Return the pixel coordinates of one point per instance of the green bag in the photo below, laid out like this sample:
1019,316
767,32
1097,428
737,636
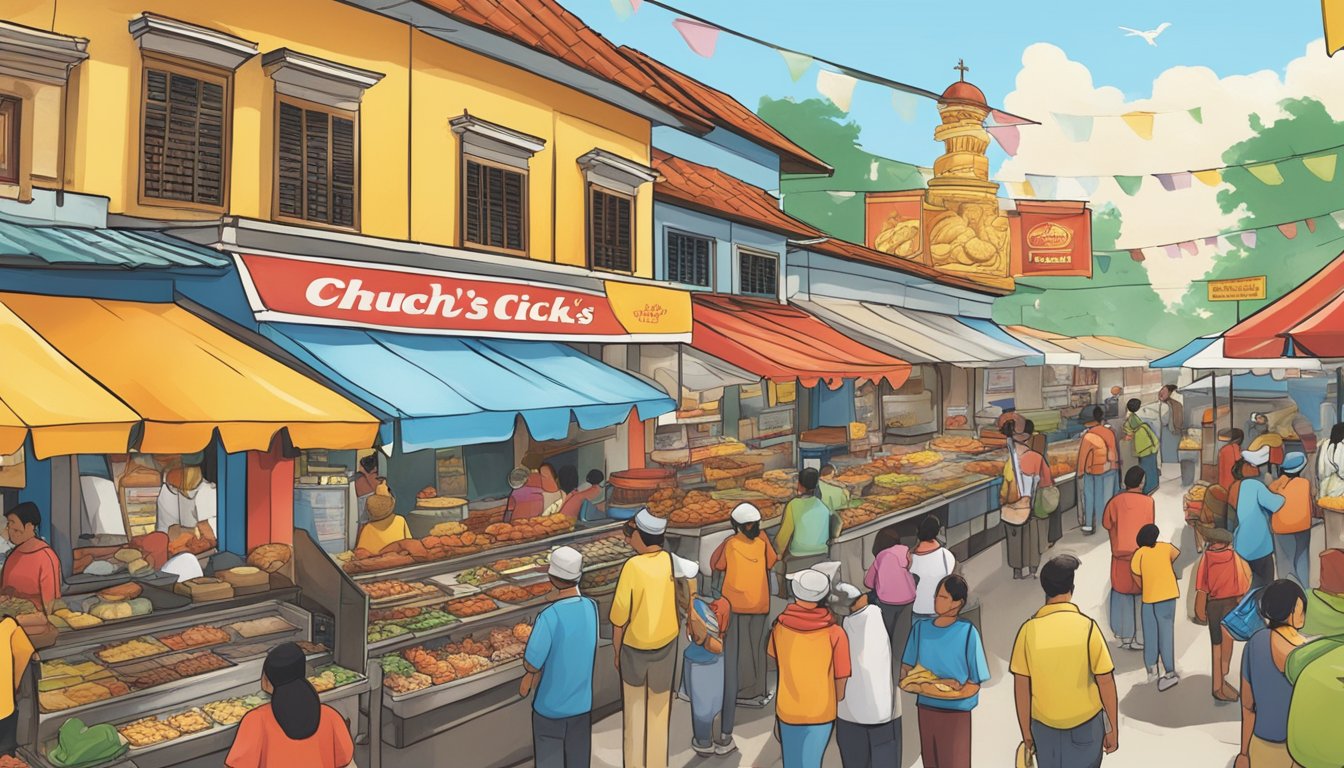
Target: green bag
79,745
1046,501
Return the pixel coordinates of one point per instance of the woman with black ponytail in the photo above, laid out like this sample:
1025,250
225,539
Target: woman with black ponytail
296,728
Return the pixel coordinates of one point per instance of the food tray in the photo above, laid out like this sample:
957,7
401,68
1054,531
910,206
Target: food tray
160,650
452,588
288,629
415,703
414,597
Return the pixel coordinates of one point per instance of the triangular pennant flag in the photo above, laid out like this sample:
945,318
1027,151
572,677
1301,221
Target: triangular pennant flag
1249,238
1212,177
1045,186
837,87
623,9
1174,181
1311,225
1196,114
1136,254
1003,118
1130,184
1189,247
798,63
1075,127
1267,173
1008,137
1289,230
1141,123
906,104
1212,242
1089,184
1173,251
1338,216
1323,166
634,5
699,36
1103,263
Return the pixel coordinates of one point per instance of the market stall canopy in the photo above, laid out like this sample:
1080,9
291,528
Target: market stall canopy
445,391
783,343
1214,357
680,367
1178,358
1096,351
918,336
1040,340
83,373
1313,309
1029,355
22,243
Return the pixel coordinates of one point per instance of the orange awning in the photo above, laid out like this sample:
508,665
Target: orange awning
783,343
94,368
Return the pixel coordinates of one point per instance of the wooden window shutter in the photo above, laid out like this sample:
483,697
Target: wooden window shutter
10,116
184,137
758,273
494,207
610,230
688,259
317,166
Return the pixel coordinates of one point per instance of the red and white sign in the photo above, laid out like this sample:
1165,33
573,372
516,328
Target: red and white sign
331,292
1052,239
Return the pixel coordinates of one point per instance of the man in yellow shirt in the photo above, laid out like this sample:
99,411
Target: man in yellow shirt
384,527
1063,678
644,632
1153,570
15,640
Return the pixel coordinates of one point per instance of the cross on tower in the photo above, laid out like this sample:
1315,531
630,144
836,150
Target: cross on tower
962,68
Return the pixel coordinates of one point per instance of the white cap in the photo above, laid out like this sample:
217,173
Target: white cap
1256,458
746,513
848,591
809,585
184,566
646,522
566,563
683,568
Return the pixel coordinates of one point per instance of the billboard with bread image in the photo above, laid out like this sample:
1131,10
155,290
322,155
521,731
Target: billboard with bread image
1052,239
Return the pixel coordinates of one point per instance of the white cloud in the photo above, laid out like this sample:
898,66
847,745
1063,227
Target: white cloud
1050,83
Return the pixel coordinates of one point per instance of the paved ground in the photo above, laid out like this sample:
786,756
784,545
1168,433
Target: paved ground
1183,726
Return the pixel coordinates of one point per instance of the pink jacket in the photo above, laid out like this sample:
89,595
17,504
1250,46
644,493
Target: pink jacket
889,576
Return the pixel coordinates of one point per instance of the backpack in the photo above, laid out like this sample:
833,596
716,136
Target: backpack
1245,620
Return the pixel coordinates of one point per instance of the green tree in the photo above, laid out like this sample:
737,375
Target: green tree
1286,263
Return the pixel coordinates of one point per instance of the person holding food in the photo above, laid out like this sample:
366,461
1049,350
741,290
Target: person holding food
944,662
186,504
561,651
295,728
31,568
384,528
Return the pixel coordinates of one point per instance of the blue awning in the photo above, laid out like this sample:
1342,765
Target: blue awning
445,390
1179,357
60,245
1029,355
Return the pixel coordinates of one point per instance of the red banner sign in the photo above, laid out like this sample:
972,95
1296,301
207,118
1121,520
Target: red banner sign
1052,240
328,292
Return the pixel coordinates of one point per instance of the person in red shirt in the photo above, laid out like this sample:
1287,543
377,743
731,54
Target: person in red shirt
31,569
295,728
1220,582
525,500
1229,455
1126,514
1098,465
575,497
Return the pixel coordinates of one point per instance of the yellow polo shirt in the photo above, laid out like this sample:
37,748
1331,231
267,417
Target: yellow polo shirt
646,601
1062,651
375,536
1154,565
20,648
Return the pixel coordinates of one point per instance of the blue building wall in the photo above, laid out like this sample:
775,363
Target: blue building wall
728,237
814,274
726,151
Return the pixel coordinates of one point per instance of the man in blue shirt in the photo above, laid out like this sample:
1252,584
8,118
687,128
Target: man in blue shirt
1255,504
561,650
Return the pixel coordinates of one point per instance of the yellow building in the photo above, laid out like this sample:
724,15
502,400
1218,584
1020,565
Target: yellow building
333,120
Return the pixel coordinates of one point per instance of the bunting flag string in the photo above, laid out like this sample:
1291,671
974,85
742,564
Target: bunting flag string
1141,123
1248,238
798,64
700,37
836,86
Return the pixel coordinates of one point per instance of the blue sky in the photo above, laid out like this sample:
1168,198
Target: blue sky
920,42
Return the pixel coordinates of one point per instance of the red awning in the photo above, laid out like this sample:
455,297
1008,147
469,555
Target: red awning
1265,333
1322,334
782,343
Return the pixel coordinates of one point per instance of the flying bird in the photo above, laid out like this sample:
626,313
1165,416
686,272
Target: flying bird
1150,36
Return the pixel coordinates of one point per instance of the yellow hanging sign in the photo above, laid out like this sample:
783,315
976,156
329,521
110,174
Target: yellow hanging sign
1237,289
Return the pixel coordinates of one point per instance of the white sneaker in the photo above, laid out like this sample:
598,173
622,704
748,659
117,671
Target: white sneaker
725,747
1153,677
1168,682
704,751
1135,645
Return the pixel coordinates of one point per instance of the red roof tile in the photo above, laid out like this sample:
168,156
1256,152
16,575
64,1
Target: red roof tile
547,27
702,188
720,109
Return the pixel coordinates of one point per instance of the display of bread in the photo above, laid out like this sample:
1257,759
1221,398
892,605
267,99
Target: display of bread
468,656
439,502
779,490
270,557
195,637
988,468
194,720
959,444
148,732
230,711
391,590
267,625
698,509
471,606
130,650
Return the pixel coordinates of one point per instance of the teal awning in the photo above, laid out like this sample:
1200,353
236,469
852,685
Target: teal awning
59,245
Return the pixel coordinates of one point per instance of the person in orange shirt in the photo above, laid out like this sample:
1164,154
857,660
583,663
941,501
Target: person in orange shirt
812,652
745,560
1126,514
1228,456
1292,523
1221,580
295,728
1098,463
31,569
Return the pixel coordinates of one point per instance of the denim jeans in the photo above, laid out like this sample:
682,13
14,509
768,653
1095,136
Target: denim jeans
804,746
1152,474
703,685
1097,491
565,743
1124,615
1077,747
1159,628
1292,556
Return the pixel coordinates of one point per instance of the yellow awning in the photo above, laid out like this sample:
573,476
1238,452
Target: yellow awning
44,393
175,373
